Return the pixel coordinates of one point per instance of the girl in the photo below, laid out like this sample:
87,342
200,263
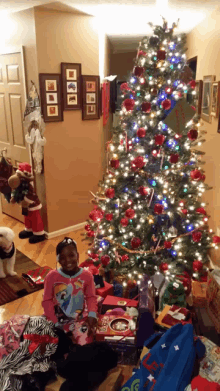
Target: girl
69,298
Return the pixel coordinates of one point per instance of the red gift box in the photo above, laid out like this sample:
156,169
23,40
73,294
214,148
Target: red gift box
173,316
111,302
111,325
107,290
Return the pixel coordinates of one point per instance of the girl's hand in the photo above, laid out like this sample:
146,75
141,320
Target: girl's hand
91,323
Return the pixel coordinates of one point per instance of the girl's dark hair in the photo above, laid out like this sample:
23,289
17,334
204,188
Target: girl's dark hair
66,242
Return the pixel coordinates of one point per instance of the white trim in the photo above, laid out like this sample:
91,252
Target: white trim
38,233
54,234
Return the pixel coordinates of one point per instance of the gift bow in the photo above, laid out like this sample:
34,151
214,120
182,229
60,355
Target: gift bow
37,340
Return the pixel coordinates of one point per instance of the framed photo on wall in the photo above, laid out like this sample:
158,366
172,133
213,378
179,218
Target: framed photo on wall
206,98
198,99
51,96
90,97
71,85
215,99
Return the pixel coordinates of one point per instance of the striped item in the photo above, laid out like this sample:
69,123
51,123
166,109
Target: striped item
7,294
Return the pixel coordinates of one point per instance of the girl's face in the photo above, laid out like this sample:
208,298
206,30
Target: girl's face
69,259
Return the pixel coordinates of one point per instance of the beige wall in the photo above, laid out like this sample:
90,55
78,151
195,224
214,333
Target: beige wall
204,42
121,64
74,149
19,30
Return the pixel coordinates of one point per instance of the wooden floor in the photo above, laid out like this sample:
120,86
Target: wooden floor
43,254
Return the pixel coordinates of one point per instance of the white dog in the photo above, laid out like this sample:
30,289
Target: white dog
7,251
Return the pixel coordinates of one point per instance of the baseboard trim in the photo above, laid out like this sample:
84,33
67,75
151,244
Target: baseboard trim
54,234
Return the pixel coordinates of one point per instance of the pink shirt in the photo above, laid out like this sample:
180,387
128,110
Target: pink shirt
68,296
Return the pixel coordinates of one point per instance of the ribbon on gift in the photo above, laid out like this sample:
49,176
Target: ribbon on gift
37,340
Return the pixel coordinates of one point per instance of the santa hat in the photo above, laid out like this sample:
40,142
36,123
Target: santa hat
24,170
201,384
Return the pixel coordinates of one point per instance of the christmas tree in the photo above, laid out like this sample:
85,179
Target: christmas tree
148,214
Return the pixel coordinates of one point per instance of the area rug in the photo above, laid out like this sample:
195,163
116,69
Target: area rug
14,287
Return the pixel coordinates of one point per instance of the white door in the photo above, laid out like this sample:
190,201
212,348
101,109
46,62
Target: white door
12,106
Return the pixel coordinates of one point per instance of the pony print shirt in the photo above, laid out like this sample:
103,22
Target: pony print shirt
65,298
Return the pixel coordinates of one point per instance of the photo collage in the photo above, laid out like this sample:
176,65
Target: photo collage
51,98
90,97
71,87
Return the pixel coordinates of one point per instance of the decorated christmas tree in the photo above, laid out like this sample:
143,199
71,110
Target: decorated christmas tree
148,214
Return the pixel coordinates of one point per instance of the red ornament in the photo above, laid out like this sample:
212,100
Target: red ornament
159,139
197,266
131,284
141,132
163,267
192,134
143,190
166,104
124,222
135,242
138,162
130,213
141,53
94,256
158,209
105,259
161,55
196,236
168,90
129,104
216,239
174,158
124,258
196,175
201,211
87,227
192,83
115,163
124,87
167,245
109,216
146,107
138,71
110,193
91,234
203,178
184,211
96,214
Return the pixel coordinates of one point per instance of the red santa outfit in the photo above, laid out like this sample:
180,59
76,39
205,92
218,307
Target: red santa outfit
33,221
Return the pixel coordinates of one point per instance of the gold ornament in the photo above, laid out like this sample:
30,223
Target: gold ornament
150,219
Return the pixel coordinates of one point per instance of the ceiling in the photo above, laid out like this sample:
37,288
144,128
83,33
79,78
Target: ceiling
126,23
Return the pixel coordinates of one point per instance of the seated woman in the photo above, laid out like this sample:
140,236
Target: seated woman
69,298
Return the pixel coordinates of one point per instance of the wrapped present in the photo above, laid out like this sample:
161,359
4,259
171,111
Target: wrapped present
199,293
111,302
174,294
147,295
176,315
112,325
36,277
126,349
213,298
107,290
210,365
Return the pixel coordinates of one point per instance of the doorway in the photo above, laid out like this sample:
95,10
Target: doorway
12,106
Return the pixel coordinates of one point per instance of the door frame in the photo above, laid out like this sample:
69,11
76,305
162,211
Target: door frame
13,50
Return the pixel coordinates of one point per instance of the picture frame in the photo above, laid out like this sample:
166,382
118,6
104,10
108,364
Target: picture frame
206,98
51,97
198,99
71,85
215,99
90,97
